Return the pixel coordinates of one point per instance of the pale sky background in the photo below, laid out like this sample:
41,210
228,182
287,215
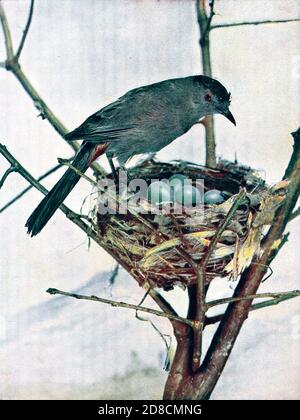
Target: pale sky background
80,55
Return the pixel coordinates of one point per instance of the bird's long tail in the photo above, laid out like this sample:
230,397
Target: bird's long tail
48,206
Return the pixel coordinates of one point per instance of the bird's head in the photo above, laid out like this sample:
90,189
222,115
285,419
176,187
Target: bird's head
213,97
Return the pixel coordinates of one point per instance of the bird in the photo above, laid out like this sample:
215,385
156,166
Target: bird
144,120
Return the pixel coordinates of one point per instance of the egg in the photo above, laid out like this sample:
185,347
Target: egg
183,192
176,183
159,192
213,197
177,179
188,195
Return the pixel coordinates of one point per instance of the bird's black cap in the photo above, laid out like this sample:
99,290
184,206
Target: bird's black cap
216,87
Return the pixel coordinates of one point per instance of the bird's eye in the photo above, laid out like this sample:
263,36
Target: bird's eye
208,97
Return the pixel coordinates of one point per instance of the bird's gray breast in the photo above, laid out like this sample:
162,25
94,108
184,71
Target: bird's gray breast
151,135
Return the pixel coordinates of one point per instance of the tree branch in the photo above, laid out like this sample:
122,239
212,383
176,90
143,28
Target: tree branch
204,22
23,192
255,22
271,302
25,32
11,169
12,64
115,303
279,296
7,35
236,204
207,27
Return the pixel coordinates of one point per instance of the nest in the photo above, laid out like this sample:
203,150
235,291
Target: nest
151,244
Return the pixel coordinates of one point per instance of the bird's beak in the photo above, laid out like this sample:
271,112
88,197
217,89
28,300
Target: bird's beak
229,116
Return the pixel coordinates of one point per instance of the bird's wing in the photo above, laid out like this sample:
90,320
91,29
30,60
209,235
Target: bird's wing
110,122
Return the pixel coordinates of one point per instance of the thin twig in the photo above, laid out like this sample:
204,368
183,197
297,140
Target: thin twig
208,21
145,296
115,303
276,296
267,303
7,35
255,22
77,171
162,336
199,318
23,192
8,171
272,302
25,32
237,202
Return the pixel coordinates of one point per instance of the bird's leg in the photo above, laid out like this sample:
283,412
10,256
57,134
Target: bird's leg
116,174
122,179
113,169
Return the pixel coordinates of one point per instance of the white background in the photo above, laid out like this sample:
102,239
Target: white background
80,55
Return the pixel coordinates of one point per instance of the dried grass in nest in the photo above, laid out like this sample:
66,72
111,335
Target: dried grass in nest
149,244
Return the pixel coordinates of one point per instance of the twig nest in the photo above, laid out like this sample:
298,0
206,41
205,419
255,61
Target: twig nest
150,235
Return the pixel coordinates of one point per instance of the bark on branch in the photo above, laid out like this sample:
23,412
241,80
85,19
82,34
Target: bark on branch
204,22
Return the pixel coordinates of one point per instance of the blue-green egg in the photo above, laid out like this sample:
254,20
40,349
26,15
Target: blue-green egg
188,195
158,193
183,192
177,179
177,183
213,197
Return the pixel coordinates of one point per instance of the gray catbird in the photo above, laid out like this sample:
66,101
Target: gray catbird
144,120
